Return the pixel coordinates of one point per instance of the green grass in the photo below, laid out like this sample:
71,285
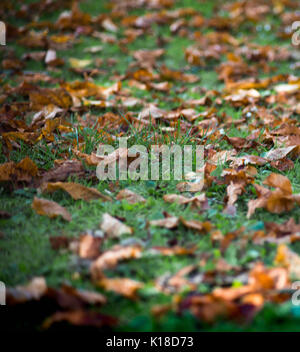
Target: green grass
25,249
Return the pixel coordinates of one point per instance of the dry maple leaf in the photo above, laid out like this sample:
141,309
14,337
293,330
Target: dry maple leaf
123,286
113,227
50,209
130,196
75,190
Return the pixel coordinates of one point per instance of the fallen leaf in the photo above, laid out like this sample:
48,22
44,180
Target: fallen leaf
279,153
123,286
176,250
279,181
34,290
81,318
89,246
113,227
168,222
63,170
202,227
196,201
289,259
75,190
130,196
110,259
50,209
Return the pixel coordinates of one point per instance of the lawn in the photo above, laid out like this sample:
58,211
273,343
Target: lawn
221,74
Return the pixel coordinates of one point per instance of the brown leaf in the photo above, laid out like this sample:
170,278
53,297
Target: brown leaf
176,250
279,202
152,112
283,164
25,170
280,153
289,259
130,196
247,159
113,227
202,227
5,215
241,143
34,290
190,186
84,296
90,159
81,318
288,228
123,286
63,170
260,202
196,201
168,222
75,190
260,279
233,191
279,181
89,246
50,209
110,259
59,242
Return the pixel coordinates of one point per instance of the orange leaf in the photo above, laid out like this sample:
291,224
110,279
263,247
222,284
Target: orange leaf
50,208
76,190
